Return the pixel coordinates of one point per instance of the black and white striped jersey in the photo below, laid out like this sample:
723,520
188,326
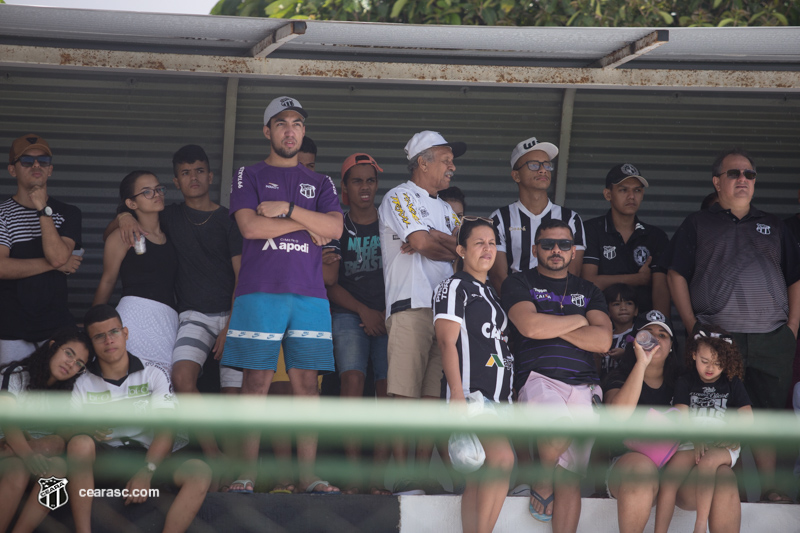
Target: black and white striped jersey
485,362
517,227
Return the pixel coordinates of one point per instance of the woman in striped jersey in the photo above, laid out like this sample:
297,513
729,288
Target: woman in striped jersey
478,365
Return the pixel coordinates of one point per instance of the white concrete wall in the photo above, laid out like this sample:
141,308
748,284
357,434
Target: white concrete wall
442,514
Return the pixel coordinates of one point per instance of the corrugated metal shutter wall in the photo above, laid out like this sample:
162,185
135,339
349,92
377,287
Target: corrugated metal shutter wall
101,126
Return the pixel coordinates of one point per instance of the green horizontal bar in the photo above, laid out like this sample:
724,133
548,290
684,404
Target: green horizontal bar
334,417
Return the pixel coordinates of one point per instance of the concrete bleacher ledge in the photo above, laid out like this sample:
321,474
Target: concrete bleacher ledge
279,513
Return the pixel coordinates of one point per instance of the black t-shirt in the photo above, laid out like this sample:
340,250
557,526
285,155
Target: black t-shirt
737,269
361,267
554,358
649,396
710,400
32,308
152,274
485,362
205,243
613,256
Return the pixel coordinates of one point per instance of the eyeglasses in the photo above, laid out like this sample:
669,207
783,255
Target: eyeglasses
101,337
470,218
73,357
534,165
27,161
548,244
734,173
150,193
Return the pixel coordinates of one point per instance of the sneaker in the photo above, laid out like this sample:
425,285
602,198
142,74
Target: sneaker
523,490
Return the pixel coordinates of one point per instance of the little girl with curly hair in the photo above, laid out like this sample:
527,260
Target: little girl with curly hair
701,471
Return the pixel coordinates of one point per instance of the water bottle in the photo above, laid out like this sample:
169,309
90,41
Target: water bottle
646,340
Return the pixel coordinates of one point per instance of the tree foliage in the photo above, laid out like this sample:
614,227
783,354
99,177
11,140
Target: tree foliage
608,13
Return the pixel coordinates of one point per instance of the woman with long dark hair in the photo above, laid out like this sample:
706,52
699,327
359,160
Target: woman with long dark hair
643,378
54,366
478,366
147,306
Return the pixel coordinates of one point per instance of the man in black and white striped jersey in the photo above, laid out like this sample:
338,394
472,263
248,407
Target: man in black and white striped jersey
38,235
531,168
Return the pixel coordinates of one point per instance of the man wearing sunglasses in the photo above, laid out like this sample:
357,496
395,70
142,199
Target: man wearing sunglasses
37,237
561,320
531,168
737,267
620,248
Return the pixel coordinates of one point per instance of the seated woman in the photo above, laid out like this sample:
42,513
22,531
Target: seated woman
470,324
54,366
700,476
147,306
643,378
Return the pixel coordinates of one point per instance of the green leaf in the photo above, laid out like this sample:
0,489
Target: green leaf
507,6
489,16
397,8
717,3
667,17
278,6
455,20
783,20
725,22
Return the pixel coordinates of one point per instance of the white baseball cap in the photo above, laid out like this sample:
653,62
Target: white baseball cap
428,139
529,145
281,104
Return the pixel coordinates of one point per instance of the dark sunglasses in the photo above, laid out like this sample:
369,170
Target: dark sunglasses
548,244
734,174
150,193
534,165
470,218
27,161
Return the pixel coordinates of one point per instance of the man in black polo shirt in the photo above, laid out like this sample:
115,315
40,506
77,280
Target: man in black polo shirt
737,267
562,321
620,248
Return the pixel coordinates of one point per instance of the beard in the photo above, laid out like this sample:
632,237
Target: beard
284,153
558,267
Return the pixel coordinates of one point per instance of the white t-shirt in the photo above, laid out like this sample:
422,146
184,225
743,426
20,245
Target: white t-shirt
18,383
411,278
146,387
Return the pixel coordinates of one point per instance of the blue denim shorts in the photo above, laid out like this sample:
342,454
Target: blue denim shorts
353,349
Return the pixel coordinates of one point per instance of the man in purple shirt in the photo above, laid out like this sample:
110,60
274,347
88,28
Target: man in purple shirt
284,212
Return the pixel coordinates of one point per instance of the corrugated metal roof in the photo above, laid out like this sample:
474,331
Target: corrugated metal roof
743,48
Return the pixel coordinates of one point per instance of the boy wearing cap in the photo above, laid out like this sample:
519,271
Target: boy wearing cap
38,235
620,248
356,291
284,212
531,167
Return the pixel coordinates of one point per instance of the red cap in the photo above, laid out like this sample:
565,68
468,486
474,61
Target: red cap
350,162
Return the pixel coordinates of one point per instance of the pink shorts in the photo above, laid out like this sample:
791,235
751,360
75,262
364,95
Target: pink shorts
564,401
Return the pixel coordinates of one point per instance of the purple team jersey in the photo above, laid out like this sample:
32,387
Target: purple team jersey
291,263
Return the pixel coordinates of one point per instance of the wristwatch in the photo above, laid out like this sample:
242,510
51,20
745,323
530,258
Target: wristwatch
46,212
150,467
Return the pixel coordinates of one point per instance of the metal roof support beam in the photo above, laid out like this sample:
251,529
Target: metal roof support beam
280,36
567,107
310,69
633,50
228,140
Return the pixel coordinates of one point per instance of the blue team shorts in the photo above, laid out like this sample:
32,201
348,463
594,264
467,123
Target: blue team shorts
260,322
353,348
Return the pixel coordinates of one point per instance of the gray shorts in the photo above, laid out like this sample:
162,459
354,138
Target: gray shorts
197,333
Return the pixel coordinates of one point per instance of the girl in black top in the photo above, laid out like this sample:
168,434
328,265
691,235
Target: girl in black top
54,366
642,379
147,306
470,324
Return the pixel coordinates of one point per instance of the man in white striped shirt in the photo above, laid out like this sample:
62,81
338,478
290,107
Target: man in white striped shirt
38,235
531,168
